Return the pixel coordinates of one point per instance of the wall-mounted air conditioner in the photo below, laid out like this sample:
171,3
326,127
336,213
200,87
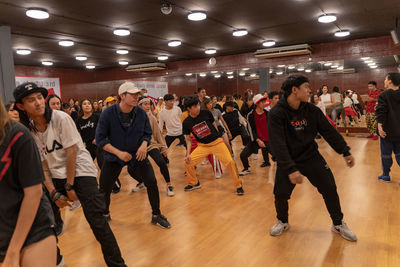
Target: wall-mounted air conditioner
284,51
147,67
344,71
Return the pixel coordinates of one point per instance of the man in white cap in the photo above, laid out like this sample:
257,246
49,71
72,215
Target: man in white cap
124,132
258,130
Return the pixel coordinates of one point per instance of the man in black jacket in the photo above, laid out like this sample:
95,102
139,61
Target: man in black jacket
232,119
388,118
258,129
293,124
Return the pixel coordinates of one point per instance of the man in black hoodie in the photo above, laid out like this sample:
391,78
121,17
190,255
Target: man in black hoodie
292,127
388,118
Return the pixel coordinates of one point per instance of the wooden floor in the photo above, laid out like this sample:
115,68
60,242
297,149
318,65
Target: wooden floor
215,227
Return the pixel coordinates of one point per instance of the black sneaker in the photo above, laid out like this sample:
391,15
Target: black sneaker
107,216
240,191
161,221
265,164
116,188
58,228
192,187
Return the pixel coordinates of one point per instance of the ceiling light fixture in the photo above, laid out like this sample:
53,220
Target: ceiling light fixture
327,18
122,31
123,62
90,67
217,75
188,74
23,52
230,77
66,43
162,57
328,64
81,58
214,71
122,51
229,72
210,51
291,67
334,66
269,43
245,69
368,61
203,74
279,73
372,64
308,70
340,68
281,66
342,33
197,15
174,43
240,32
373,67
37,13
365,58
47,63
300,68
242,74
253,75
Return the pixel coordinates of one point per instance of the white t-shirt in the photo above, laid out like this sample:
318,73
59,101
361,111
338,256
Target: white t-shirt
326,99
172,119
347,102
60,134
322,107
355,99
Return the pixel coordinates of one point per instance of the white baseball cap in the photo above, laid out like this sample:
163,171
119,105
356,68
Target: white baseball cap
128,87
257,98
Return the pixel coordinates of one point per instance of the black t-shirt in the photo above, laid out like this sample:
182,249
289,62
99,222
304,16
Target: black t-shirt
20,167
201,127
232,120
87,128
127,118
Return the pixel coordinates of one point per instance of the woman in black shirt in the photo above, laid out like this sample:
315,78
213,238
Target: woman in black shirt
26,235
86,124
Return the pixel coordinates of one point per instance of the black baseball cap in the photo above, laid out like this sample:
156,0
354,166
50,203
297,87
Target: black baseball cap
26,89
168,97
229,104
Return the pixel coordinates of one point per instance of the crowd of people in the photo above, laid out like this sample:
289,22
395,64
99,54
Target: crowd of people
49,149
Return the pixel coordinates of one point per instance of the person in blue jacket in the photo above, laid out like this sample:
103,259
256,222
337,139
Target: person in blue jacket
124,131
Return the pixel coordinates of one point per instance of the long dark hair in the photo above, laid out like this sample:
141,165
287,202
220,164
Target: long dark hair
80,112
25,120
50,97
206,100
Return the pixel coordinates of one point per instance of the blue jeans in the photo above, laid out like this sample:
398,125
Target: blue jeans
387,148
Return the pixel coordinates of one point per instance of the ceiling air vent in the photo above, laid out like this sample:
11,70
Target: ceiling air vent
147,67
284,51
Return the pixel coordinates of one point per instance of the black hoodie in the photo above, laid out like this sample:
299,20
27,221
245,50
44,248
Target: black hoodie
388,113
292,134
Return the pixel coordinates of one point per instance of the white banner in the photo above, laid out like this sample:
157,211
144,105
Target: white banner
52,84
155,89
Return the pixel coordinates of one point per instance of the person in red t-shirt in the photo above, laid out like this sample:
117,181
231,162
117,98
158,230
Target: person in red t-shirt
373,94
258,129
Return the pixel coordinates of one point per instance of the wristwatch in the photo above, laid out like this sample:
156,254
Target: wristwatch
68,186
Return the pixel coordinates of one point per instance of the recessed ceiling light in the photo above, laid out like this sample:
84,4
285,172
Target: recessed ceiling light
122,51
90,67
23,52
214,71
37,13
210,51
197,15
122,31
372,64
373,67
342,33
245,69
334,66
327,18
279,73
281,66
269,43
308,70
123,62
162,57
66,43
368,61
271,71
328,64
47,63
291,67
188,74
81,58
253,75
230,77
365,58
203,74
174,43
240,32
340,68
217,75
242,74
300,68
229,72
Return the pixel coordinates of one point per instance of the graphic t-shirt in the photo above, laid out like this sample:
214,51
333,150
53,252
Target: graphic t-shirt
87,128
20,167
201,127
60,134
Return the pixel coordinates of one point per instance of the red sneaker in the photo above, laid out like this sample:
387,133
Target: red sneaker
375,137
370,136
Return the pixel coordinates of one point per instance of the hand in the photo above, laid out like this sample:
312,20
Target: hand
94,141
62,202
12,259
141,153
72,195
382,133
187,158
260,143
296,177
350,161
124,156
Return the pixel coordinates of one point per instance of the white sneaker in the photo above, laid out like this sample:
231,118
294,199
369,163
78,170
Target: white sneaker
278,228
138,187
204,162
344,231
255,157
218,176
75,205
62,263
244,172
170,191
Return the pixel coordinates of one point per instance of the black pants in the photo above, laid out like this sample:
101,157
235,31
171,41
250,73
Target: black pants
92,150
170,139
252,148
159,159
92,201
243,133
100,160
319,174
141,169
